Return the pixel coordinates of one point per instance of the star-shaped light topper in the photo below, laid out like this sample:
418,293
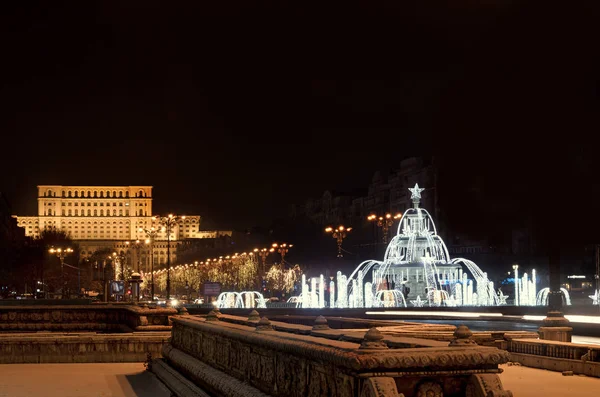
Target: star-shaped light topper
502,298
418,302
595,298
416,192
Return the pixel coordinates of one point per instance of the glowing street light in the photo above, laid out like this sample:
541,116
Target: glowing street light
516,269
151,234
339,233
136,245
282,249
263,253
60,254
384,222
169,222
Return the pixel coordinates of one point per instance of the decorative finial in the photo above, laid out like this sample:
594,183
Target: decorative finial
462,337
253,316
264,325
212,316
373,340
416,192
320,323
183,311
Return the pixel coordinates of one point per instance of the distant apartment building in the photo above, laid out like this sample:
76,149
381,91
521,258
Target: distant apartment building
99,217
383,195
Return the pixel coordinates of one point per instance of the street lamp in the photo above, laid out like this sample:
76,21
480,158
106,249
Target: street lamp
339,233
60,254
136,245
168,223
120,259
516,269
282,249
384,222
151,233
263,253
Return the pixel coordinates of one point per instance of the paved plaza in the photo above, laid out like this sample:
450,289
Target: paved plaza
532,382
79,380
130,380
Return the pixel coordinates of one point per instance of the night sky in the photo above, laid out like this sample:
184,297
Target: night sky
237,110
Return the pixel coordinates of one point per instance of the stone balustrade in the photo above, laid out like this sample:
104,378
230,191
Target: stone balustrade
539,347
251,358
105,318
556,356
80,347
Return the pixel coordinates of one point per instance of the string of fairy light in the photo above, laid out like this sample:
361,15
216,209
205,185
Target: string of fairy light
255,254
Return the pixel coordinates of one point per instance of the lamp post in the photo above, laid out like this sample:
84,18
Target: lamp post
384,222
119,273
339,233
60,254
151,233
135,276
168,223
282,249
262,253
516,269
136,245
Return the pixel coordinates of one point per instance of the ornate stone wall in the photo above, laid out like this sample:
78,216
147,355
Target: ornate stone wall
80,347
277,363
115,318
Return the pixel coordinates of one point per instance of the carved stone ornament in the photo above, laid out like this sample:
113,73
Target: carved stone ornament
486,385
212,316
320,323
430,389
462,337
253,316
380,387
183,311
373,340
264,325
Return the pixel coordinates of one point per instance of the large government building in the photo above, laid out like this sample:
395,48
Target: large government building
113,217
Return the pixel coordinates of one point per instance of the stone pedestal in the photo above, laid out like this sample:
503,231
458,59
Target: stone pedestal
559,334
556,327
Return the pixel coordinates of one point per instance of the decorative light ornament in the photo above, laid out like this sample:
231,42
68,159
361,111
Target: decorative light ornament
418,302
415,192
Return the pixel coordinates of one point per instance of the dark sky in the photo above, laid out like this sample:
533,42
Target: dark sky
236,110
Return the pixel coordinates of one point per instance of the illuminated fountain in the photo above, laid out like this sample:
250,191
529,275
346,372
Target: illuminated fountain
241,300
417,257
542,297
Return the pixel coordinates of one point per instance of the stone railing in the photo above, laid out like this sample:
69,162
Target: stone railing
80,347
546,348
228,359
556,356
105,318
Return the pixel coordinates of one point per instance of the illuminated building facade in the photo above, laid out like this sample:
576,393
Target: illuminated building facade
97,217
